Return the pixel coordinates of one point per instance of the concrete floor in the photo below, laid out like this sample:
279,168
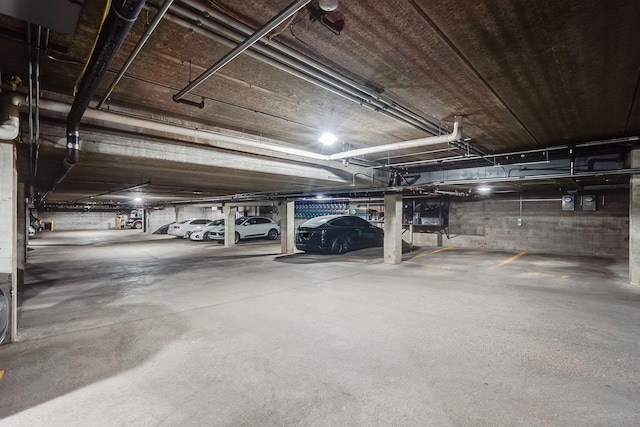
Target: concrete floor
121,329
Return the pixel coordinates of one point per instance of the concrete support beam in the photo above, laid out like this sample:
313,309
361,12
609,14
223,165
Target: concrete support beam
8,240
393,228
229,224
634,222
287,226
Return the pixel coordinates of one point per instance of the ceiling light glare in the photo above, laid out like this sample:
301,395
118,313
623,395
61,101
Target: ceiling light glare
484,189
138,199
328,138
328,5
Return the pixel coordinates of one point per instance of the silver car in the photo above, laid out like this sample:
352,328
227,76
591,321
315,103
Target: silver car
4,315
249,227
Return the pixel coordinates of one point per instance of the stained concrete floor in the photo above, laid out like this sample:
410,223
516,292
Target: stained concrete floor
121,329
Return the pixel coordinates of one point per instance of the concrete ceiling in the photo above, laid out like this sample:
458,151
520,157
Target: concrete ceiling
524,75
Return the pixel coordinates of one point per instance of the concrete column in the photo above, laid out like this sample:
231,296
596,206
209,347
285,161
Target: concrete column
393,228
287,226
177,213
229,224
634,222
146,214
23,221
8,240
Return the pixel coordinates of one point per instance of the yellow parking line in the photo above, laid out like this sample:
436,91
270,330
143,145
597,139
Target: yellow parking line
547,275
445,267
1,374
507,261
356,260
448,248
433,252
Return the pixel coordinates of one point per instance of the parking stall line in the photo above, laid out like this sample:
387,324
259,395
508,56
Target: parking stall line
444,267
507,261
433,252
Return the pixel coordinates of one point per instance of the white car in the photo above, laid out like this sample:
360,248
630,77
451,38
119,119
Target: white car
183,228
248,227
204,233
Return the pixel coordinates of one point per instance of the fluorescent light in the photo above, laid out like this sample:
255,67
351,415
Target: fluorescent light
484,189
328,138
138,199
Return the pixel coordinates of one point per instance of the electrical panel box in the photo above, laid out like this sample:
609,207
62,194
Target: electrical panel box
588,202
568,202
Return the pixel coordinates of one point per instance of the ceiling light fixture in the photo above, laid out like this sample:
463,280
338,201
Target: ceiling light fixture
328,5
484,189
138,199
328,138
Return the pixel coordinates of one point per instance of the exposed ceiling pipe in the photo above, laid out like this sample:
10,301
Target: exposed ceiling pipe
122,14
257,35
455,135
10,125
286,68
156,20
236,143
293,58
627,139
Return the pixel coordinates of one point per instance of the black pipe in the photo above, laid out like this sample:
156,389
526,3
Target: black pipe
122,14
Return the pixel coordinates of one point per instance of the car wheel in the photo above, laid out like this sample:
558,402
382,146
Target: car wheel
137,225
340,246
205,236
272,234
237,237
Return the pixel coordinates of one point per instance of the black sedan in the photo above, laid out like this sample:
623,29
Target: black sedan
337,234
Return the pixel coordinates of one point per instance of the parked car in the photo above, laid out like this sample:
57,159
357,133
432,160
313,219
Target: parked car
337,234
32,231
163,229
182,228
204,233
35,223
249,227
4,315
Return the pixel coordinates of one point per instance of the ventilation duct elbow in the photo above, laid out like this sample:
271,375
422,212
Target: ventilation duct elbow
10,124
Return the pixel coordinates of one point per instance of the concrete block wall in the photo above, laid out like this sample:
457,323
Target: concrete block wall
492,224
160,217
88,220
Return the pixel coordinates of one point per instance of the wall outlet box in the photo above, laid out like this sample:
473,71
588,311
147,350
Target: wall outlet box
519,222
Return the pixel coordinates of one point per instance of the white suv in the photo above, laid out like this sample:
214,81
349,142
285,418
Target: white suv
248,227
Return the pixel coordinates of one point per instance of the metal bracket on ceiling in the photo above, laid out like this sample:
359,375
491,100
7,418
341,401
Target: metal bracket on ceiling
469,150
191,103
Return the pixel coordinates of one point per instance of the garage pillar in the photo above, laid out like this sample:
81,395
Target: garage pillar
8,240
287,226
634,221
229,224
393,228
